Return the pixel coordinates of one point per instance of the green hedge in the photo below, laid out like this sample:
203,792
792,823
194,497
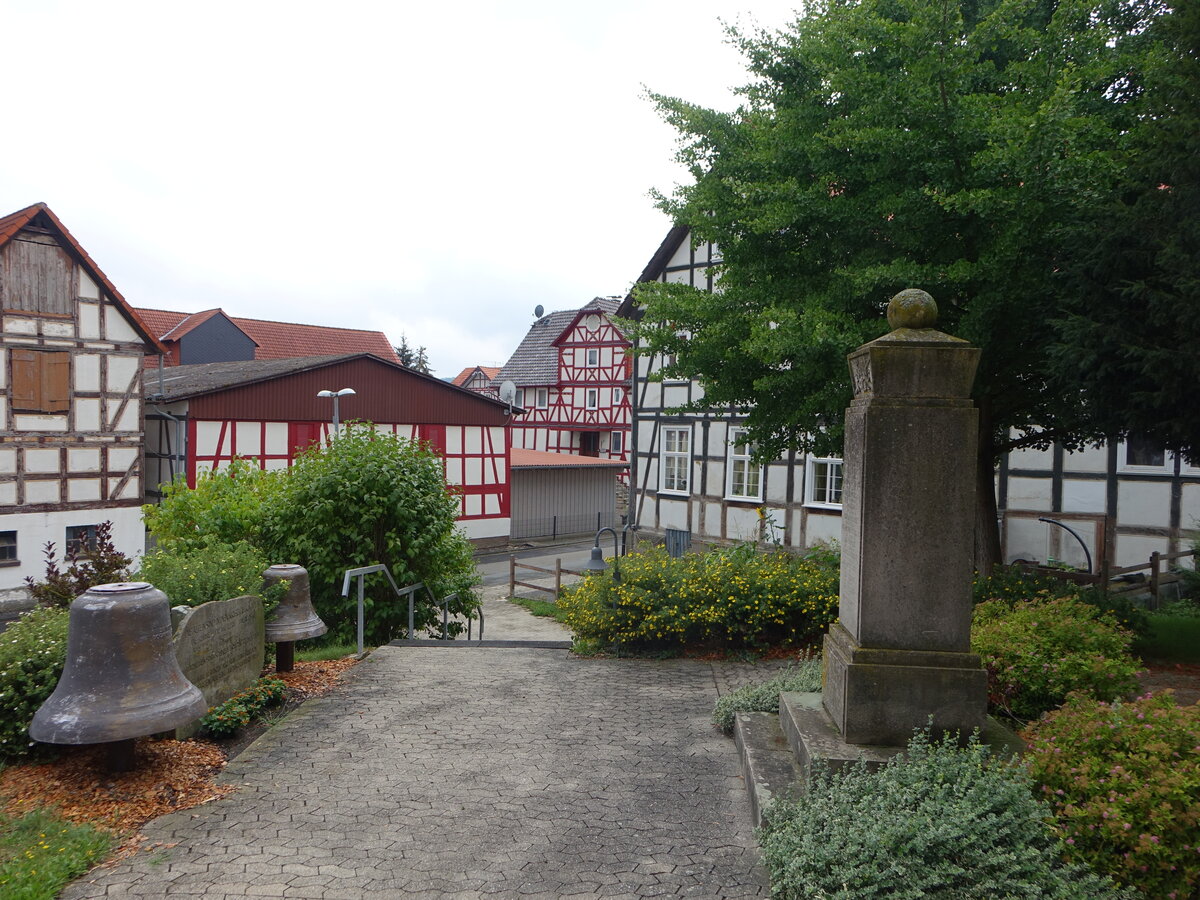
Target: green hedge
1124,782
737,597
938,821
1039,650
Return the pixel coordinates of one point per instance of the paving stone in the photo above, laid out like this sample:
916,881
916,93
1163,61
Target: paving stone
490,772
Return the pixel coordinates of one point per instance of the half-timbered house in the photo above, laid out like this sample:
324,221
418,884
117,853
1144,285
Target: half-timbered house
692,474
70,399
199,417
478,379
572,374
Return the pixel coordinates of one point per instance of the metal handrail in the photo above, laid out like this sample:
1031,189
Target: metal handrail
410,591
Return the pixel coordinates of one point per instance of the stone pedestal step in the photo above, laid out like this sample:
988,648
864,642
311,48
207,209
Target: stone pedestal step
768,766
777,751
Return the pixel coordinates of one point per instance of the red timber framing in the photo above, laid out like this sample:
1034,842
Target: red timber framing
587,410
270,420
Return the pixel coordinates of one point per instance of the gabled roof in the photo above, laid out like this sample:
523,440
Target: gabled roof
186,382
278,340
676,236
40,215
536,358
489,372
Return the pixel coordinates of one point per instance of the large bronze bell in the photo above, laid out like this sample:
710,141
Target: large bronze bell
294,619
121,679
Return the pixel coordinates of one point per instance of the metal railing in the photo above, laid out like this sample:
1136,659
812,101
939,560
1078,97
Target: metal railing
409,591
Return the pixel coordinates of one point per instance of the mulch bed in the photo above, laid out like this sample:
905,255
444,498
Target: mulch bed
168,775
1182,678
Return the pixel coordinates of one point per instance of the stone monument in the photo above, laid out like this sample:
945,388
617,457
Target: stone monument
901,651
220,648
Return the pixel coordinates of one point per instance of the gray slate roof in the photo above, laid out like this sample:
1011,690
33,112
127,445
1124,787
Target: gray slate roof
535,361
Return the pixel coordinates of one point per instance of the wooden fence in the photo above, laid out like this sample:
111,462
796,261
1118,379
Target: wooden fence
558,571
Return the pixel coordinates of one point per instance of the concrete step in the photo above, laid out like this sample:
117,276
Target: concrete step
768,766
464,644
811,734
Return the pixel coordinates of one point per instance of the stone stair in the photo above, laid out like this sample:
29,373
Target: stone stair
777,751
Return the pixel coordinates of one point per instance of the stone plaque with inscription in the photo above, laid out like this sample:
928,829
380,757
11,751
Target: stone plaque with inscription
220,649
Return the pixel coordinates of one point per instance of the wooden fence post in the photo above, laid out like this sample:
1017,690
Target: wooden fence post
557,577
1154,566
512,575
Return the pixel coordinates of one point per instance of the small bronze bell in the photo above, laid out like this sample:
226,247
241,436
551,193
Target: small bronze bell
294,619
121,680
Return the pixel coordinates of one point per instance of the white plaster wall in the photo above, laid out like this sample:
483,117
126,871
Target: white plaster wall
116,326
87,372
35,529
1083,496
89,321
1143,503
1031,459
673,513
88,289
1089,459
741,523
1135,549
1189,509
487,528
1029,493
822,528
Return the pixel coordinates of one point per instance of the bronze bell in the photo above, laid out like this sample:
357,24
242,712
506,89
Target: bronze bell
294,619
121,679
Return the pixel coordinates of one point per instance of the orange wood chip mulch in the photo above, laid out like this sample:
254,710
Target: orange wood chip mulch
167,775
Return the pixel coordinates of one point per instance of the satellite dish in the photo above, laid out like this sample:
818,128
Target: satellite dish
508,393
539,311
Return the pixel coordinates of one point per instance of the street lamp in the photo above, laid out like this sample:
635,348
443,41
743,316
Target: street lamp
596,564
344,392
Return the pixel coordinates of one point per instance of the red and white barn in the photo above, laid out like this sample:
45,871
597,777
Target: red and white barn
572,374
199,417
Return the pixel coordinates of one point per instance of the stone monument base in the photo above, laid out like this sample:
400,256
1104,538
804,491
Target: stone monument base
877,697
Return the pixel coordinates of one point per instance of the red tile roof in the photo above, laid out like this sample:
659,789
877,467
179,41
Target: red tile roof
489,372
278,340
538,459
14,222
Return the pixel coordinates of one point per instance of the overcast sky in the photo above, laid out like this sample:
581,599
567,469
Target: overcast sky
432,170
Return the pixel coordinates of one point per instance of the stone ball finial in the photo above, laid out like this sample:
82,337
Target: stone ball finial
912,308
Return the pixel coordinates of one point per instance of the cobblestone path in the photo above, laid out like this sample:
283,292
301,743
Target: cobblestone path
477,772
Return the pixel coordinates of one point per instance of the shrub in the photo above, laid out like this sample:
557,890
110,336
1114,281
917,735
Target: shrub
1014,583
738,597
235,713
938,821
1124,781
104,564
764,696
1039,650
370,498
214,571
33,651
227,505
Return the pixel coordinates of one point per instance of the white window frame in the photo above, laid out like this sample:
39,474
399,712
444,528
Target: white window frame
592,357
616,443
736,461
8,548
591,398
675,461
519,399
543,398
1167,467
618,395
810,483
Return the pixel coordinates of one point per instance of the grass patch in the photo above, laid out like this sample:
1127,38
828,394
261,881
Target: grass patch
39,853
537,607
1170,638
333,651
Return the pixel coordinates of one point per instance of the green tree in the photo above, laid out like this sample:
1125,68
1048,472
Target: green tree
1131,328
368,498
950,145
415,359
226,506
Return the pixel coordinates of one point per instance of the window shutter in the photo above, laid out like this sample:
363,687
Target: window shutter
56,382
26,378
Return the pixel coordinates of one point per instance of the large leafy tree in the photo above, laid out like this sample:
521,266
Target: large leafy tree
1131,327
950,145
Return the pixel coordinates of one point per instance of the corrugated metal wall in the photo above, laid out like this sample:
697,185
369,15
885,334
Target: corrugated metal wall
562,501
384,394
